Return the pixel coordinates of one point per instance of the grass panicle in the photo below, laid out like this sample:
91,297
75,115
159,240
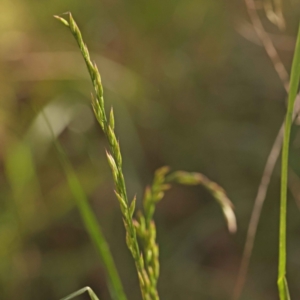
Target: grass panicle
114,158
146,229
141,231
191,178
145,225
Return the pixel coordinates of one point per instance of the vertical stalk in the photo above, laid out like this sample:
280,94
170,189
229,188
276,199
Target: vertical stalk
294,83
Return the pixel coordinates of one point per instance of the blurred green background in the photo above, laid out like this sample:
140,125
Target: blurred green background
193,89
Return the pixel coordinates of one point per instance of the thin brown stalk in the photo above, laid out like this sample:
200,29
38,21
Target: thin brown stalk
256,212
268,44
258,204
273,155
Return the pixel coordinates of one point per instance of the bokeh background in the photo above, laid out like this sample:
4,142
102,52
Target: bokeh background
193,89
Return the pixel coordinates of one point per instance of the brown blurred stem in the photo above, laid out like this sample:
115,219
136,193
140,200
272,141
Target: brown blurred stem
267,42
273,155
256,212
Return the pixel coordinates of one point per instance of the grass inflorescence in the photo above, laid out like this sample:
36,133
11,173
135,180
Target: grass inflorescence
140,230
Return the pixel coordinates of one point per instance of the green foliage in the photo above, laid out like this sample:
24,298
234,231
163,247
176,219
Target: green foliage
189,89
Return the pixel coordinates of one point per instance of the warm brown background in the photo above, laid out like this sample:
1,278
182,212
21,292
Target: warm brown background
192,88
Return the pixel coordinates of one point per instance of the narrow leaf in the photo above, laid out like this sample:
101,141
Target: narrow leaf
294,84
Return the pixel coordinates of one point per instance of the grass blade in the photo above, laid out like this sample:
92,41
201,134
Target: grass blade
91,224
294,83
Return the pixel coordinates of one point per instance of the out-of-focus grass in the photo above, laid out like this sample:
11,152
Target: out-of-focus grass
196,86
91,224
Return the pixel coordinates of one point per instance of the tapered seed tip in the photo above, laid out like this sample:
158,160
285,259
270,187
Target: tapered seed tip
231,220
71,20
62,20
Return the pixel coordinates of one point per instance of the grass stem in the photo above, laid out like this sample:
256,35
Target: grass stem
294,83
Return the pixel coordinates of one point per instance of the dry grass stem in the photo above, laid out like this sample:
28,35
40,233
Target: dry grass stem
273,155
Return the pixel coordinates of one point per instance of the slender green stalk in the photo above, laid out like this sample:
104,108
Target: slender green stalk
294,83
91,224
